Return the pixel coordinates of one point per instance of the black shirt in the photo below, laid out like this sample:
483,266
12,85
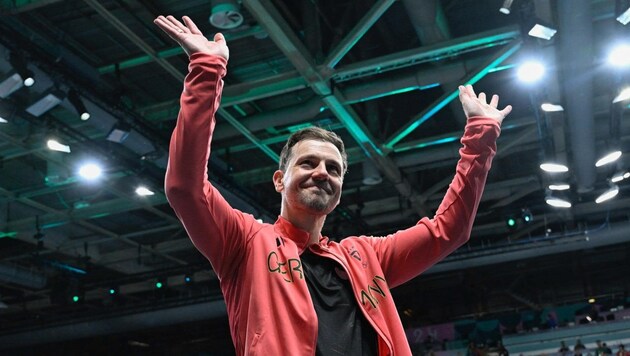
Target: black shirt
342,328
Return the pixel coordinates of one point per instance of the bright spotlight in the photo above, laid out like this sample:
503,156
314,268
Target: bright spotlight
607,195
548,107
541,31
623,95
54,145
554,167
620,56
90,171
144,191
624,18
609,158
560,186
557,202
531,71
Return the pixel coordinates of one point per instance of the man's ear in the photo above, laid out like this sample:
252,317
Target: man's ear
278,180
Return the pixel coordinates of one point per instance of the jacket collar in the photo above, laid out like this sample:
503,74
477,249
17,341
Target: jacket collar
287,230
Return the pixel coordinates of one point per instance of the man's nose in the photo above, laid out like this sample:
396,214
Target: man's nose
320,172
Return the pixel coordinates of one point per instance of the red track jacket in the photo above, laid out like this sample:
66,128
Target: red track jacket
269,306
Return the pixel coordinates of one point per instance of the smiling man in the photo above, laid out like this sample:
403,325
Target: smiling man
288,289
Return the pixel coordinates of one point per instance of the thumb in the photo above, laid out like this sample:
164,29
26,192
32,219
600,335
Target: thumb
218,37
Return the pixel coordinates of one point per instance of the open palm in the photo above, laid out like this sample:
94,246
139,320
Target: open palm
190,38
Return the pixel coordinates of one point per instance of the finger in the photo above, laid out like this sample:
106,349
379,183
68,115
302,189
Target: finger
178,26
495,101
505,112
462,92
218,37
166,26
471,90
482,97
191,26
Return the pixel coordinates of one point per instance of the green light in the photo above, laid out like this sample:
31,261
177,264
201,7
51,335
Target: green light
112,291
75,298
511,222
158,285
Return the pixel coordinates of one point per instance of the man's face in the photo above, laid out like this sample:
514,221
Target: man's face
313,178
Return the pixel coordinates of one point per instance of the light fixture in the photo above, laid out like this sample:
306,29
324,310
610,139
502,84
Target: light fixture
144,191
619,56
19,65
623,95
510,222
554,167
557,202
624,18
609,158
541,30
548,107
90,171
618,177
57,146
527,215
505,8
559,186
530,71
371,175
607,195
76,101
46,102
225,14
11,83
3,120
119,132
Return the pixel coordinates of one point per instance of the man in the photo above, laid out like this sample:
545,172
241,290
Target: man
288,289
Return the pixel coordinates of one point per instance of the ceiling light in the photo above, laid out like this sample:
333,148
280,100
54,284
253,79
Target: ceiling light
505,8
609,158
90,171
119,132
541,31
10,84
19,65
557,202
76,101
623,95
607,195
371,175
561,186
618,177
49,100
3,120
548,107
620,56
554,167
144,191
530,71
624,18
56,146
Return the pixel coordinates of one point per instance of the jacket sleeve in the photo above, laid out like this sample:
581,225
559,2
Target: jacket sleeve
407,253
215,229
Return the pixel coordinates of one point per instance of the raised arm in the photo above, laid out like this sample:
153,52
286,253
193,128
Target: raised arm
211,223
407,253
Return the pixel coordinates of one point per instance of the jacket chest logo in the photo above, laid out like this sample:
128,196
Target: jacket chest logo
290,269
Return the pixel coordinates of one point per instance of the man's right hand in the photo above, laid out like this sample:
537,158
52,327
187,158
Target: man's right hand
190,38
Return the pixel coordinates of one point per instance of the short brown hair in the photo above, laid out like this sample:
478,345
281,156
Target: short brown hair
312,133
